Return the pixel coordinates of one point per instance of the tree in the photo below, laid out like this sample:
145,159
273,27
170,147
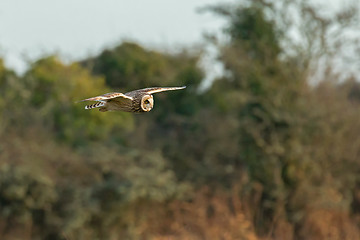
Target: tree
130,66
266,89
54,89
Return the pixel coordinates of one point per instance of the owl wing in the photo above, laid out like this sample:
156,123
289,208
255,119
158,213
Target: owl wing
110,96
160,89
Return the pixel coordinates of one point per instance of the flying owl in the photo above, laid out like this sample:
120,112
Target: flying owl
135,101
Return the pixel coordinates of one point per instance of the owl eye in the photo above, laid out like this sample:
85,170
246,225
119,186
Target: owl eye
146,102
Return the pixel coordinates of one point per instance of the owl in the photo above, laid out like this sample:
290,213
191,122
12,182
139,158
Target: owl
135,101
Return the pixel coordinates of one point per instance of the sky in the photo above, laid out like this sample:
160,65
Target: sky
75,29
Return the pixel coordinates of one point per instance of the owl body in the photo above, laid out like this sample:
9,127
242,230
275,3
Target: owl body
135,101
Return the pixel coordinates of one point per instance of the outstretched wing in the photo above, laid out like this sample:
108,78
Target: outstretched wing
109,96
160,89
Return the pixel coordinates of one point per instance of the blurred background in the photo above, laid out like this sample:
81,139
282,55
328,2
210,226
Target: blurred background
264,143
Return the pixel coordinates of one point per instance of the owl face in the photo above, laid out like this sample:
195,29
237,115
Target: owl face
147,103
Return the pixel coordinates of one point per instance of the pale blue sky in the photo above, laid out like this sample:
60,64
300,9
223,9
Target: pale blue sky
77,28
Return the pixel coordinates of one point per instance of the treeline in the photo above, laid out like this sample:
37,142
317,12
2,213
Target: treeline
262,154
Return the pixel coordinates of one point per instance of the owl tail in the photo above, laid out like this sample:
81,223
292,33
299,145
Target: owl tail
95,105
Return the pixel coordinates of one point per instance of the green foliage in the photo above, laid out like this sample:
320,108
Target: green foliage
23,193
129,66
11,94
54,89
250,30
261,97
148,177
278,119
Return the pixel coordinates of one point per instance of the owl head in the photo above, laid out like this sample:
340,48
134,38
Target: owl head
147,103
